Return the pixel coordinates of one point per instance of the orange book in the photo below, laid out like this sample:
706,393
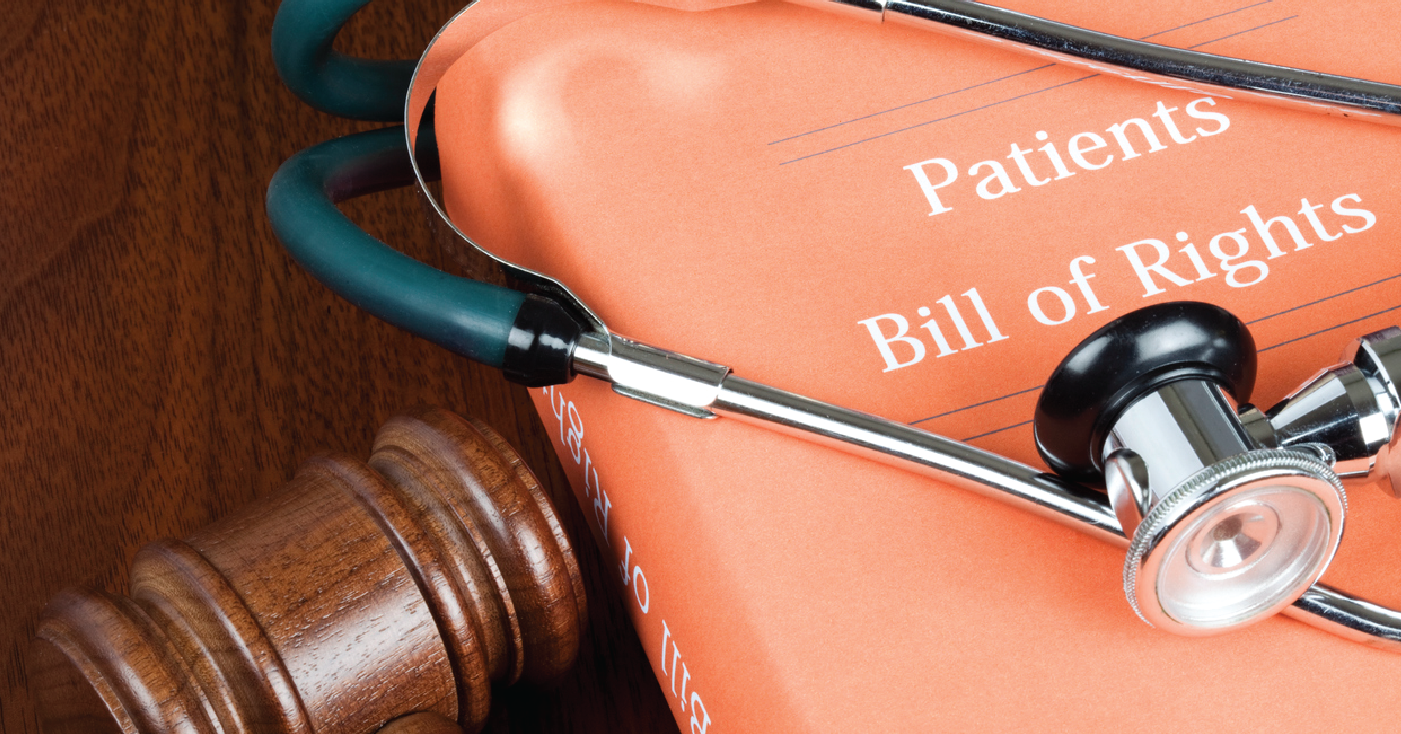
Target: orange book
921,227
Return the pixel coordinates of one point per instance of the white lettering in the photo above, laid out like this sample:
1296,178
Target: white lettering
1223,123
993,334
640,590
968,341
1078,151
1118,129
931,191
1262,228
998,176
1081,280
698,726
1145,272
1033,304
994,179
1228,261
1362,214
575,440
883,342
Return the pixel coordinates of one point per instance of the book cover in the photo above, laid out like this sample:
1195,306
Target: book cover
921,227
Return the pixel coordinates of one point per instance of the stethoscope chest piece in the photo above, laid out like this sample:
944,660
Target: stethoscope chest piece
1224,530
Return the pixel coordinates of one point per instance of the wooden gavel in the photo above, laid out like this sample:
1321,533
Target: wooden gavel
361,597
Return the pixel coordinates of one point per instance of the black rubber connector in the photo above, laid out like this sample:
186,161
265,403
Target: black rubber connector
1131,356
540,347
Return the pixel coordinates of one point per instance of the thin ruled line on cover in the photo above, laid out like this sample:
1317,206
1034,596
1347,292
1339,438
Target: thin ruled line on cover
941,119
1309,335
998,102
998,430
912,104
1299,307
970,406
1208,18
1241,33
907,105
1302,306
1330,328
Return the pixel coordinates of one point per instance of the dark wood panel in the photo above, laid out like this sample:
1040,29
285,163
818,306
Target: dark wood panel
162,362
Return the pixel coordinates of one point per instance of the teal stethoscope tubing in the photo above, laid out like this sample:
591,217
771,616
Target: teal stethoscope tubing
469,317
361,89
529,337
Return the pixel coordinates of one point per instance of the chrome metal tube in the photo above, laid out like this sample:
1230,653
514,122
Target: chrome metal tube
1347,616
922,452
1185,427
1140,60
703,389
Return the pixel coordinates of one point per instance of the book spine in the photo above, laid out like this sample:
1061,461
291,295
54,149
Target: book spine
626,537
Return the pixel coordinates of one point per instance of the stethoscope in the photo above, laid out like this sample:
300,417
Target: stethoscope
1230,513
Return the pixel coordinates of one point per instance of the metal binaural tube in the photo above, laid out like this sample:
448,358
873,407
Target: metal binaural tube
640,371
1349,617
1137,60
922,452
703,389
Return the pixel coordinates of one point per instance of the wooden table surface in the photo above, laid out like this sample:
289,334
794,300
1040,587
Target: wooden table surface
162,361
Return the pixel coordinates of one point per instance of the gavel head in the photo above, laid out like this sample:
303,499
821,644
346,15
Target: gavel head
358,593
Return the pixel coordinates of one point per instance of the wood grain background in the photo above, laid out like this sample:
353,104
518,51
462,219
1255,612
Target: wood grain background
163,362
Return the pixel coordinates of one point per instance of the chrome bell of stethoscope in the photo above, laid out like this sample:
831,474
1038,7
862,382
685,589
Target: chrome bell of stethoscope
1231,513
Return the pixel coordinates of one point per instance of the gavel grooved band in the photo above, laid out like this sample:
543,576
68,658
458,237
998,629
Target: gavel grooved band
359,593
